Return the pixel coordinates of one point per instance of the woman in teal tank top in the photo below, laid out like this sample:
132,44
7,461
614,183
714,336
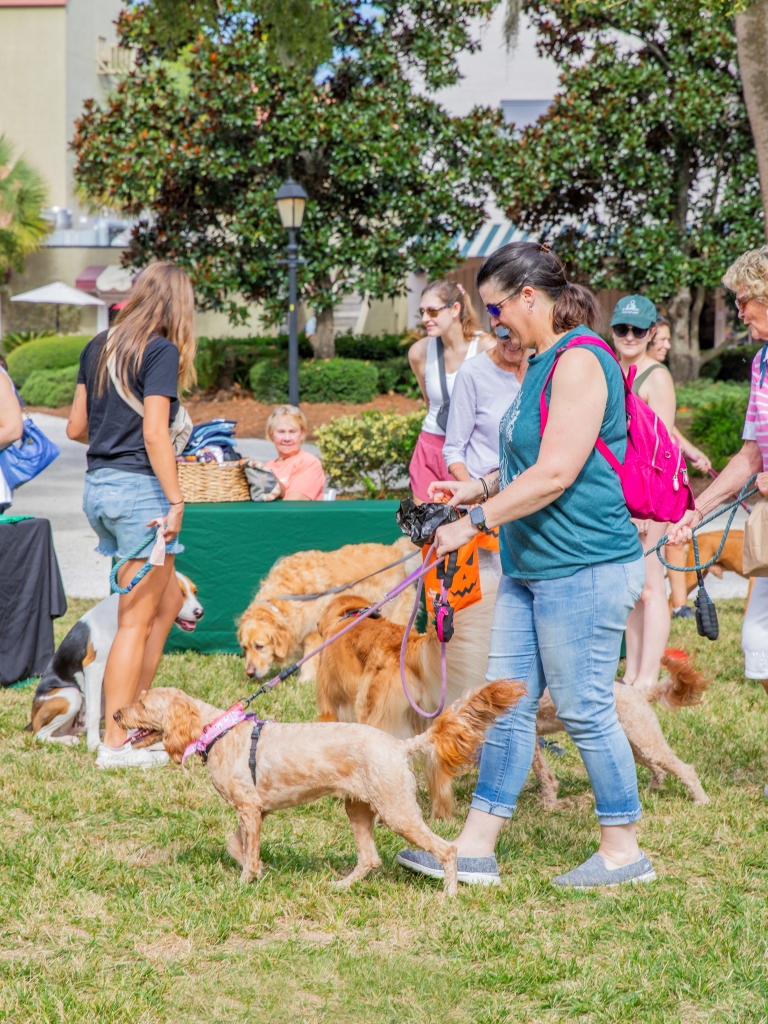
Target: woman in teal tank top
573,567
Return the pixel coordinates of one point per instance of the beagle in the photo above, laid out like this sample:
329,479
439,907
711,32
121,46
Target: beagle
75,674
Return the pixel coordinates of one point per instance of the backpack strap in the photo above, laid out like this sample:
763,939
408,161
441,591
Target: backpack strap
587,339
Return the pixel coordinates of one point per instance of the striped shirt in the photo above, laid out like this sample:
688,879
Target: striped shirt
756,422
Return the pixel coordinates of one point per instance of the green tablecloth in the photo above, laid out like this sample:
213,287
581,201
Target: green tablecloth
231,546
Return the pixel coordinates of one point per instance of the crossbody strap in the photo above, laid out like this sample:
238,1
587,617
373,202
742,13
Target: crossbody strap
586,339
127,396
441,371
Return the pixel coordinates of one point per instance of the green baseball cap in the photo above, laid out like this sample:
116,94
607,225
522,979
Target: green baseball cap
635,310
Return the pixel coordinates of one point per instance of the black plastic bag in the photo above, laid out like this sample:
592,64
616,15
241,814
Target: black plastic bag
419,522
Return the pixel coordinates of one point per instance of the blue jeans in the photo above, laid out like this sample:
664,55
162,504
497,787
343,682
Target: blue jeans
564,634
119,505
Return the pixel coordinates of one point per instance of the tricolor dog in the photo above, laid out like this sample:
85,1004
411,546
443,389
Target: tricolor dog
75,674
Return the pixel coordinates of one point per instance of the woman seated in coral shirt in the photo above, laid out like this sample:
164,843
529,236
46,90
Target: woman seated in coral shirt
300,474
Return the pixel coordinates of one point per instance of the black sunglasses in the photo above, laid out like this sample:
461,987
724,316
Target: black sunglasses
622,330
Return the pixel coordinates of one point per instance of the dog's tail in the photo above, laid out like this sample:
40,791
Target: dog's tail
458,733
682,686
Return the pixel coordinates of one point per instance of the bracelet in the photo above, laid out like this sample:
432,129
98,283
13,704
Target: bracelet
485,489
172,503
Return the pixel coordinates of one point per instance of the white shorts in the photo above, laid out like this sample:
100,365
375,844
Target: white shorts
754,632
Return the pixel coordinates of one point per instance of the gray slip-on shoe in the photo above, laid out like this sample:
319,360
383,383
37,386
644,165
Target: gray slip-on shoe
593,873
471,870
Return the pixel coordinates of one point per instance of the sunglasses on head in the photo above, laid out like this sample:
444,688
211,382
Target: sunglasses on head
432,310
622,330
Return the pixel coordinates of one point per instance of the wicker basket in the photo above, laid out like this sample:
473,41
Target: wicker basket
209,481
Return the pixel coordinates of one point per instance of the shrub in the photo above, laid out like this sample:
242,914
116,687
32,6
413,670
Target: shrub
369,346
44,354
52,388
372,450
338,380
731,364
397,375
14,339
718,428
269,381
332,380
702,392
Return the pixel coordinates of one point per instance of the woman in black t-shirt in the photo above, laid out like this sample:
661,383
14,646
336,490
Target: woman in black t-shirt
132,477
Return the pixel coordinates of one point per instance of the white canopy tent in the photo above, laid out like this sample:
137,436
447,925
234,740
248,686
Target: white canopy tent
58,294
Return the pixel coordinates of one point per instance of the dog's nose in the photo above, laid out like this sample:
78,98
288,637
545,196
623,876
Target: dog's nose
116,717
199,613
250,671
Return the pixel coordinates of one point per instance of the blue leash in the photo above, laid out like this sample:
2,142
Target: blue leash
115,588
706,613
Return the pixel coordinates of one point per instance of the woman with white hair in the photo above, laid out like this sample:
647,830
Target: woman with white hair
748,279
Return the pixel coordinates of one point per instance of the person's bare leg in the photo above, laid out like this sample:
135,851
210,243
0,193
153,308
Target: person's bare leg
656,616
170,606
633,637
675,555
479,835
135,617
618,845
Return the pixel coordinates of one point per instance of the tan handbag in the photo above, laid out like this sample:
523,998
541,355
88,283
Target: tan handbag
756,540
181,428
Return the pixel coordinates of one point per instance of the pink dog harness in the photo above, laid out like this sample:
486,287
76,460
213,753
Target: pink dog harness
219,727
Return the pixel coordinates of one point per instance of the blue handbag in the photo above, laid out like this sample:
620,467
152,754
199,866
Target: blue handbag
20,464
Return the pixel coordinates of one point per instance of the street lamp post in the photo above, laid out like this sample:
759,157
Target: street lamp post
291,200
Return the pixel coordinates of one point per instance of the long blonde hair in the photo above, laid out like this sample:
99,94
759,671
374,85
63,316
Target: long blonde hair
163,303
451,293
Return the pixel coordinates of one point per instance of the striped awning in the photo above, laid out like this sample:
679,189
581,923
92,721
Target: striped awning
492,235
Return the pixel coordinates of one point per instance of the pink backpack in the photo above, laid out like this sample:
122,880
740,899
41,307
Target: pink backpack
654,476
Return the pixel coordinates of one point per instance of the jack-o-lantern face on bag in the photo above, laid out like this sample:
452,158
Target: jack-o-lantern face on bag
465,589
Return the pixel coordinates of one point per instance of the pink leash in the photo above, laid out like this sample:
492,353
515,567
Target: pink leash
237,713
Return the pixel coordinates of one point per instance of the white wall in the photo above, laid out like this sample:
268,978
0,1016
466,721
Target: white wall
493,73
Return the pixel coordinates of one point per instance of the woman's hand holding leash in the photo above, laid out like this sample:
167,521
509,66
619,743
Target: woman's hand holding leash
172,521
682,532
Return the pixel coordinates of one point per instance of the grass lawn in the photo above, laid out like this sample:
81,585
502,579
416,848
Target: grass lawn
118,902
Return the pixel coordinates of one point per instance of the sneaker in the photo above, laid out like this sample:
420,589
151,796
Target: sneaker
683,613
127,757
594,873
471,870
552,747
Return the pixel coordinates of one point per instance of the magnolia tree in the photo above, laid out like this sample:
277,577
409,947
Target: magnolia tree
197,147
643,172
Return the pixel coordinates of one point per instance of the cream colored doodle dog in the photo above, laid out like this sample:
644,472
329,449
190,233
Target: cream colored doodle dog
300,763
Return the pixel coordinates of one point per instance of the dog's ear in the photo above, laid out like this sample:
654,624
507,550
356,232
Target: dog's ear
182,725
281,640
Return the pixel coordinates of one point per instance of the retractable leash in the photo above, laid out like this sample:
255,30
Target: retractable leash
706,613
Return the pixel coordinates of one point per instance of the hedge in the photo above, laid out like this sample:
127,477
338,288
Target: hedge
52,388
702,392
45,354
370,346
371,450
331,380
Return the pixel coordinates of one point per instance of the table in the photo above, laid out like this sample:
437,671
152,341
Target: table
31,597
231,546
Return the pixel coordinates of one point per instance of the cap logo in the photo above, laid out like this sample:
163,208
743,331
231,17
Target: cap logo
631,307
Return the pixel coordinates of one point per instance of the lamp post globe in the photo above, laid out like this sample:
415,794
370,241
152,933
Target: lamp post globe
290,200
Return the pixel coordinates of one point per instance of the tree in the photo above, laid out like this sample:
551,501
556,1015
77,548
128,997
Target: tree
643,170
752,36
22,196
199,149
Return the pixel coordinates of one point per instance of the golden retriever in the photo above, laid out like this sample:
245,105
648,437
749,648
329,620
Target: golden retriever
358,680
272,631
731,557
300,763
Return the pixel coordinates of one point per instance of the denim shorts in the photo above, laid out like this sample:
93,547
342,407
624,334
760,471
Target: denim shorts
119,506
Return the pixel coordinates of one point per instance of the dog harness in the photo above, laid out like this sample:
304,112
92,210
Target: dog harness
220,727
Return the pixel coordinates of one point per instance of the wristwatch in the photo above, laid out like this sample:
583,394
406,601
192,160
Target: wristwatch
477,518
